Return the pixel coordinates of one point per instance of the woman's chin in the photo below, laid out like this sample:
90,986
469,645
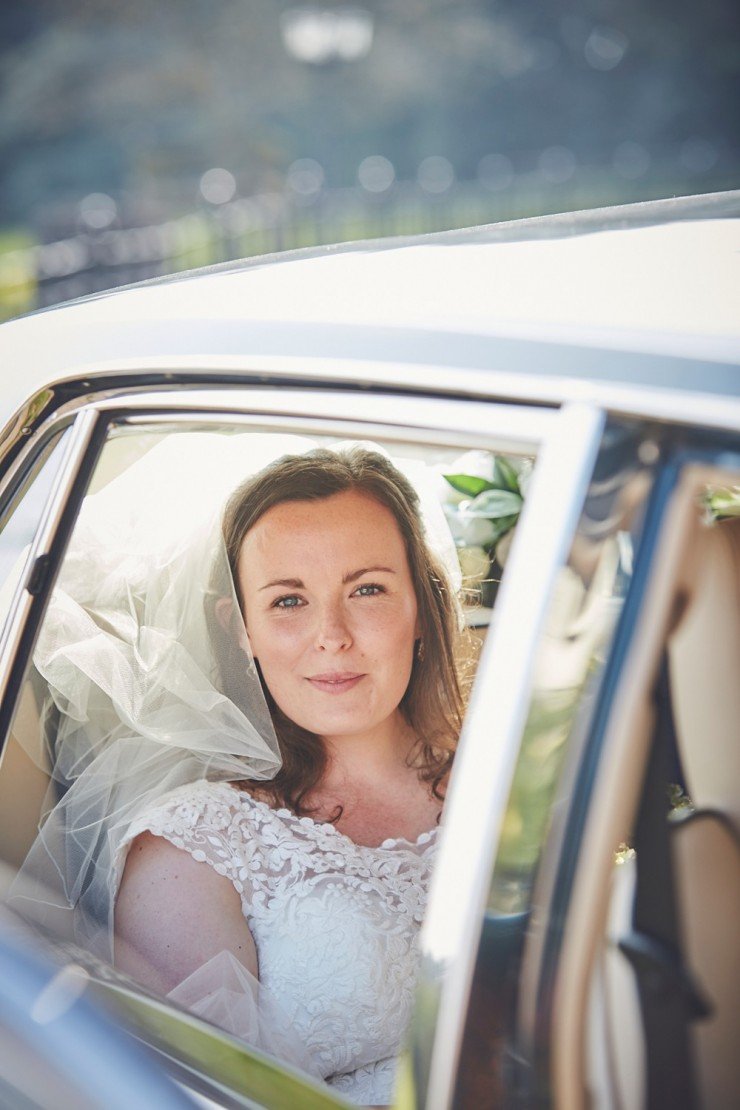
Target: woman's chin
335,725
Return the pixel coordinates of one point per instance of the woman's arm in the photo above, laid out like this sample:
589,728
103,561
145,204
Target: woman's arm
173,914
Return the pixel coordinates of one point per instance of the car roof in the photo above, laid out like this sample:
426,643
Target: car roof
645,294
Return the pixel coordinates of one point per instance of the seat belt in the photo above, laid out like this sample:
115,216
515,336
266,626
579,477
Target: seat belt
669,998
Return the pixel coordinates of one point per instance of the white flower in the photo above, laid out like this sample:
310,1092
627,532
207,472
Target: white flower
479,464
474,564
476,531
469,531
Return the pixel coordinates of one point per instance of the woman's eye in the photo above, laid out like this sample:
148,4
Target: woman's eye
289,602
367,589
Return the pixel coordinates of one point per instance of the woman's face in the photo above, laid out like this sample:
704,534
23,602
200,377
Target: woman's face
331,612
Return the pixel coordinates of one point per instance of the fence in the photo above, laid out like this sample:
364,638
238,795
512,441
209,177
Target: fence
88,260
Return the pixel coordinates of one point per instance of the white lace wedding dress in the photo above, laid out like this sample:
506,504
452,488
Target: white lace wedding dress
335,925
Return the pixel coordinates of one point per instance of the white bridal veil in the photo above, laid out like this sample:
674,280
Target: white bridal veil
142,688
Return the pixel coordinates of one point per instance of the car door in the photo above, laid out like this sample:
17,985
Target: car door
569,1004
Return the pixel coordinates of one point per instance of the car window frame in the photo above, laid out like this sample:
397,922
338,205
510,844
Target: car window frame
570,434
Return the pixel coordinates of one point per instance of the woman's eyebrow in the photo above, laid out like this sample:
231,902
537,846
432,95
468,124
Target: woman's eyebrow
355,574
291,583
352,576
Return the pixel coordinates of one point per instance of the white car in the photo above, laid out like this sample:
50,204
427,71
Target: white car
580,948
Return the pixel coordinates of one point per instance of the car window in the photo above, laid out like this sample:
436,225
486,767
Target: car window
472,498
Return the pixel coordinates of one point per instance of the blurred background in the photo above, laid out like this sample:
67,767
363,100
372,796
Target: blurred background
140,137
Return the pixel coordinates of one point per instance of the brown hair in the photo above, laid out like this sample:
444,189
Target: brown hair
433,701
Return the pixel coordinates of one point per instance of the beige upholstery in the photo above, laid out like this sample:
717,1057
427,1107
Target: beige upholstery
707,859
701,610
704,657
705,673
23,782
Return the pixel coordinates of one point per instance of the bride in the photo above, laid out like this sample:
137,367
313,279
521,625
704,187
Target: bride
279,897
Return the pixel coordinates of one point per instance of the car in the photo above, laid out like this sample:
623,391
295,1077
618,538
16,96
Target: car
581,945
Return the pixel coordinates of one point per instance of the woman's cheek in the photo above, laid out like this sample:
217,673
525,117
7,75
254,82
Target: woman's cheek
283,639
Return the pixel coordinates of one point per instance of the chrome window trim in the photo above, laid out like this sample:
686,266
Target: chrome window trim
453,422
66,479
483,772
34,445
23,465
492,384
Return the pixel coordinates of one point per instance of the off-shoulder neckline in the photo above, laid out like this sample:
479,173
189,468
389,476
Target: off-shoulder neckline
327,827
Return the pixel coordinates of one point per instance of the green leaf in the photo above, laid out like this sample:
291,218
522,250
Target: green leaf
468,484
495,503
724,502
503,525
504,475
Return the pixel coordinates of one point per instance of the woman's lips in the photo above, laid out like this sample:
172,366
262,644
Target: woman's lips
335,682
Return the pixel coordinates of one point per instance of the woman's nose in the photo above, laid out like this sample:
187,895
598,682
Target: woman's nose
333,633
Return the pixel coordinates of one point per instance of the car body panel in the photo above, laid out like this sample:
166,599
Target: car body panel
542,310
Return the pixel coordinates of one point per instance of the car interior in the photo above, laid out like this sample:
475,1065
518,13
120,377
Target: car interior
664,1017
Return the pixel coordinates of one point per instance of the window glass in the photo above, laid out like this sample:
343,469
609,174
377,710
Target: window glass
586,602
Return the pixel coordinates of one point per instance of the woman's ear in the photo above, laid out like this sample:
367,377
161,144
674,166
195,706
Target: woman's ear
224,609
231,620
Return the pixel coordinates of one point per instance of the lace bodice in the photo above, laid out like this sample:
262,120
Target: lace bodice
335,923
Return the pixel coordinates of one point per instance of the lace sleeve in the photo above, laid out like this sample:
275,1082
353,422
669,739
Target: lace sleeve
205,820
208,821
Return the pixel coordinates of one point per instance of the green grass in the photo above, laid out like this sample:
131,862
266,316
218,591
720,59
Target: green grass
17,276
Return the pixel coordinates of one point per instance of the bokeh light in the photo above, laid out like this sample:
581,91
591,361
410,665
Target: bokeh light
305,177
605,47
376,173
320,35
98,211
218,186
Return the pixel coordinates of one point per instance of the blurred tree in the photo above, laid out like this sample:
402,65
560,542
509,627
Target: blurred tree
139,99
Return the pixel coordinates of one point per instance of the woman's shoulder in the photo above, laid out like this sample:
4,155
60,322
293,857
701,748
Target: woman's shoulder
205,811
188,807
211,821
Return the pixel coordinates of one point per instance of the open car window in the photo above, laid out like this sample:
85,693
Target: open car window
474,488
